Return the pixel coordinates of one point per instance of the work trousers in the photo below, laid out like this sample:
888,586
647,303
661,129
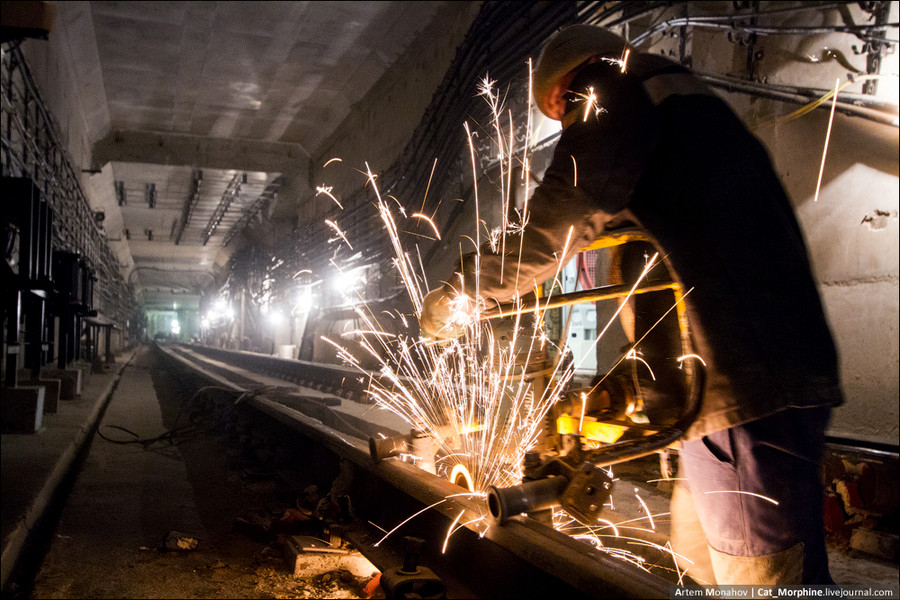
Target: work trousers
749,509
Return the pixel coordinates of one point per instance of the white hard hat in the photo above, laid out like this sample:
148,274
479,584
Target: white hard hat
565,50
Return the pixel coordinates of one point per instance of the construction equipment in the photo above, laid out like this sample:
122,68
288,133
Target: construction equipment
604,424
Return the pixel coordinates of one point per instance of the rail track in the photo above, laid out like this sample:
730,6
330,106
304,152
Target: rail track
325,407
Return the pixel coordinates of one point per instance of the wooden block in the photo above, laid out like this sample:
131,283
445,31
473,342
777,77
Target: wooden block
875,542
309,557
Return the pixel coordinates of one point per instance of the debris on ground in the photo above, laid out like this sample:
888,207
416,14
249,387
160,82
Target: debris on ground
180,542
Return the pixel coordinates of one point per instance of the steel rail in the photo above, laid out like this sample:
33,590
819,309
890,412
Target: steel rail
529,544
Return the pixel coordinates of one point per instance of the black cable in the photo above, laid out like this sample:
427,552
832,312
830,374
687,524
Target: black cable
175,430
732,22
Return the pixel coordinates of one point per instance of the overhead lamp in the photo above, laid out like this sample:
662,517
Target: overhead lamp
347,281
304,302
275,318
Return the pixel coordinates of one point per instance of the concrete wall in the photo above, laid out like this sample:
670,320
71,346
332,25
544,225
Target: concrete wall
852,233
63,79
380,125
851,227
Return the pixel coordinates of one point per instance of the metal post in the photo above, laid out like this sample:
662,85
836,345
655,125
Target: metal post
34,327
12,336
65,326
54,335
243,317
88,341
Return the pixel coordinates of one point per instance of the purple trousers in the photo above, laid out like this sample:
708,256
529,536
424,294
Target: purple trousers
757,492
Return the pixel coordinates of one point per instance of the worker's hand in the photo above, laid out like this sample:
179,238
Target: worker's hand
443,315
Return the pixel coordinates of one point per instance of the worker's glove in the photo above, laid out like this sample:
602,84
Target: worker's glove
444,316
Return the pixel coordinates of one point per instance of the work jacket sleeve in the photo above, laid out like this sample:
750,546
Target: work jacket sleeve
596,165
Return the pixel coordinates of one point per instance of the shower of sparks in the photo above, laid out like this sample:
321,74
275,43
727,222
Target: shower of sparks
611,525
450,531
760,496
574,172
837,83
590,104
633,355
595,536
472,394
683,358
583,406
651,263
459,470
335,159
375,525
625,58
428,220
408,519
321,189
337,229
428,187
678,570
426,509
453,530
646,510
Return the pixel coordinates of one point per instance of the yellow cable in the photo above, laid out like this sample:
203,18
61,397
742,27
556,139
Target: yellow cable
808,108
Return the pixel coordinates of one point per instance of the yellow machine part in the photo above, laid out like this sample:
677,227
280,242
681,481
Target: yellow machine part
591,429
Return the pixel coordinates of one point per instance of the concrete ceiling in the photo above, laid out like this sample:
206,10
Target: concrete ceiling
199,112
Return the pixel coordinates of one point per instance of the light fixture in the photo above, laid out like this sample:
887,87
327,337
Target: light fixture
303,302
347,281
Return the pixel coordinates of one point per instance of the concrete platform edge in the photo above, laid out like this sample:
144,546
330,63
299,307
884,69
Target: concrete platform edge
19,538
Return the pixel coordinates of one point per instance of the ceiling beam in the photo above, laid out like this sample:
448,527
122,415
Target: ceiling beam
266,196
197,151
233,189
189,204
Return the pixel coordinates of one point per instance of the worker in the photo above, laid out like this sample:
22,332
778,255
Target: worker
645,142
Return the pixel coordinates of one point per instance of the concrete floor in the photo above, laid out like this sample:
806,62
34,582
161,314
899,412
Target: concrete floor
127,498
